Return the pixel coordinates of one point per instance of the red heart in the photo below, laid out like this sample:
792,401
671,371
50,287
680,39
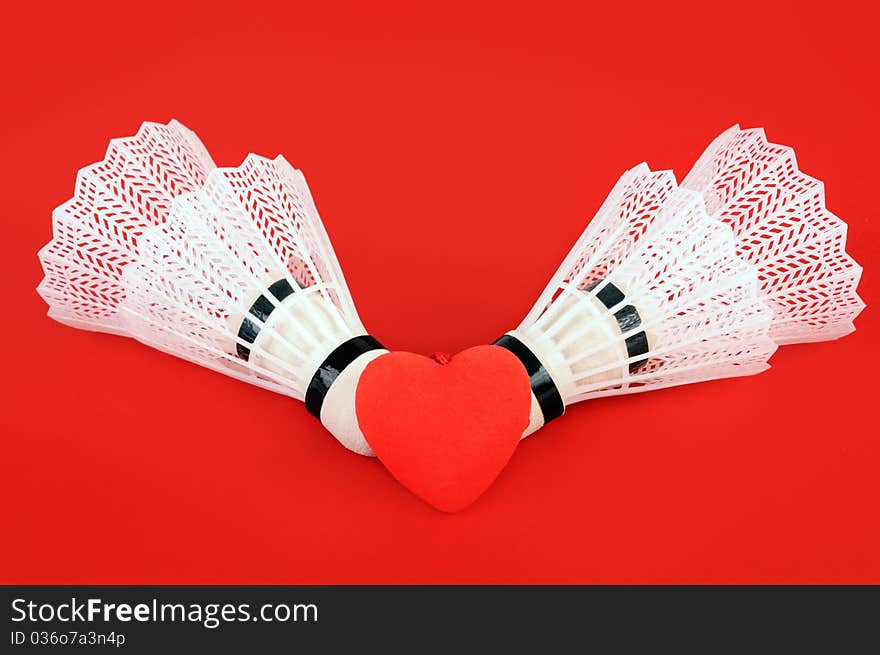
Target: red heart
444,428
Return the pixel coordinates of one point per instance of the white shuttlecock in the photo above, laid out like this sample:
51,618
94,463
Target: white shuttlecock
782,226
652,295
97,232
229,268
241,278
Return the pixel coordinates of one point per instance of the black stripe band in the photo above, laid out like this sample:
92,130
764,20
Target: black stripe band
336,361
261,309
542,384
627,319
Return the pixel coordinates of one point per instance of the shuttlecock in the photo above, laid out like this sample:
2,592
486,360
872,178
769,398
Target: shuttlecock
97,233
228,268
652,295
242,279
781,225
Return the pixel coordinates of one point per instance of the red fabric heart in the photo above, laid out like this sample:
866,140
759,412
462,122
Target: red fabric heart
445,427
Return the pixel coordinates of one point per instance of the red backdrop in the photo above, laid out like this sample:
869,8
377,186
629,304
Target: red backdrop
455,156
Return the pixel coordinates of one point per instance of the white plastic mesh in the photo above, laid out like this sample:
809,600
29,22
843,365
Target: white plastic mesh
698,301
782,226
97,232
222,247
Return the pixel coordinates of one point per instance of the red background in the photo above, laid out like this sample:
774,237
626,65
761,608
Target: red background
455,155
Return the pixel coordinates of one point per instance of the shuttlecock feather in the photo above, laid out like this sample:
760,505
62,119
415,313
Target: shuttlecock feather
781,225
97,233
